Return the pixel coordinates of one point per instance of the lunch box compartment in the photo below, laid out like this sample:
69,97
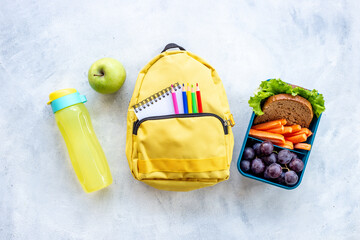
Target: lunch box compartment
302,154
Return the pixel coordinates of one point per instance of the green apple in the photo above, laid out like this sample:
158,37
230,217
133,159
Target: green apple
106,75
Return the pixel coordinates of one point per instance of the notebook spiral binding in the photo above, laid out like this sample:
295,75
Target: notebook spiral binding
155,97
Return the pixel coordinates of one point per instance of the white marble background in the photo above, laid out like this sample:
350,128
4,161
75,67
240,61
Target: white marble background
49,45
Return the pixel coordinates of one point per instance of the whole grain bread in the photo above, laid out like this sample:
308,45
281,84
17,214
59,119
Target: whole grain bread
295,109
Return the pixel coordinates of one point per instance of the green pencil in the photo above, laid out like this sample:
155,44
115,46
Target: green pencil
193,98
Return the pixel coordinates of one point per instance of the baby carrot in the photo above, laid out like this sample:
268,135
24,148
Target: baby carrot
304,146
287,144
307,132
279,130
295,128
287,130
297,138
269,125
302,130
266,135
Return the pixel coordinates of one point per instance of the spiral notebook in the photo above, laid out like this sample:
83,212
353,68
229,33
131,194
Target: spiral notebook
159,103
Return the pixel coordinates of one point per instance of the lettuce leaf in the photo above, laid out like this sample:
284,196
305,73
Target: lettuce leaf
277,86
255,102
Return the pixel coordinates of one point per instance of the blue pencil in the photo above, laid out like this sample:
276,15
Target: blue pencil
184,97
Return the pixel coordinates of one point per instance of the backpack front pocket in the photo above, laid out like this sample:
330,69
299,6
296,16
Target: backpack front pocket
182,143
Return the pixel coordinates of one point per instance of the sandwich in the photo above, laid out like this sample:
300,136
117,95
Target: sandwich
276,99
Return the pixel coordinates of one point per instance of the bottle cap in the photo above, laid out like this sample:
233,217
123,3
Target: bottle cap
65,98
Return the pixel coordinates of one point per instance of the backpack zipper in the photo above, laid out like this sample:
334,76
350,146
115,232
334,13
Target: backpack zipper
223,122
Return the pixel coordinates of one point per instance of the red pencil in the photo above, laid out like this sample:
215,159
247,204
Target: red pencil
198,96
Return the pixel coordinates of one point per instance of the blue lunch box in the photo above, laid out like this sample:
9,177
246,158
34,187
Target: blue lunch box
302,154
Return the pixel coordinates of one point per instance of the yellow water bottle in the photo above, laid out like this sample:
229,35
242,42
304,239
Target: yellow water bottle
86,154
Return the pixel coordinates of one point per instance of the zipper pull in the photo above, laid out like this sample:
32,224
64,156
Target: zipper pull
230,121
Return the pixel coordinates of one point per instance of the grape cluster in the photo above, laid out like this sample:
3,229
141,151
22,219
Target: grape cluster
282,167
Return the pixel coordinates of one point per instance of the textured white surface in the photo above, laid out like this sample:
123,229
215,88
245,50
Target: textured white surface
49,45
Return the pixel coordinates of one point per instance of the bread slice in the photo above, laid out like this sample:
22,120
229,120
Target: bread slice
295,109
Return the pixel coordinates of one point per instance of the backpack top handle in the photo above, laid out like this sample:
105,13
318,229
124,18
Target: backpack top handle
172,45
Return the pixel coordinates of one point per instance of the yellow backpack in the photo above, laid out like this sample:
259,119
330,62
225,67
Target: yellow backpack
186,151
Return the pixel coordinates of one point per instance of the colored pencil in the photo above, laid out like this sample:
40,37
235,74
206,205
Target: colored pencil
185,100
176,108
188,94
193,99
198,96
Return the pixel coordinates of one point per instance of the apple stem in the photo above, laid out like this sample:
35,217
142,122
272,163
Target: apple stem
99,75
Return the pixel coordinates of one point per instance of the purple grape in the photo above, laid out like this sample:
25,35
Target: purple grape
257,166
245,165
284,156
270,159
266,148
296,165
281,179
291,178
274,170
293,155
266,173
249,153
256,148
